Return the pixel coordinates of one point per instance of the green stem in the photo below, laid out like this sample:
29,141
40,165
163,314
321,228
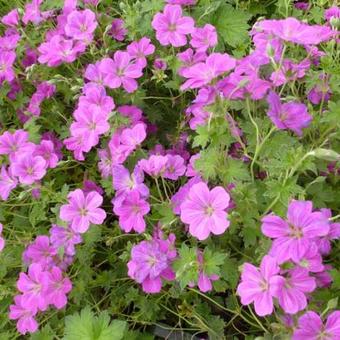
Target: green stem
257,136
159,190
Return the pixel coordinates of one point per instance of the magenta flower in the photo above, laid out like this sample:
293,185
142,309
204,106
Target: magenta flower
121,71
94,73
175,167
24,314
204,38
190,58
81,25
65,238
91,121
29,168
134,113
79,144
312,260
118,31
7,182
292,30
131,212
83,210
324,243
41,252
58,50
154,166
58,288
124,183
311,327
140,49
6,66
203,73
257,285
96,96
293,237
205,211
105,163
293,116
11,143
11,19
34,287
332,13
133,137
2,240
171,27
46,150
32,12
180,196
290,291
151,262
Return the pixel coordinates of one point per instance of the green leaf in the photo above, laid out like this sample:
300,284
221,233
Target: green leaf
212,261
232,24
87,326
186,266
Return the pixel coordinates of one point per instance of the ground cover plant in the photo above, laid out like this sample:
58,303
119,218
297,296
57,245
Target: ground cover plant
169,169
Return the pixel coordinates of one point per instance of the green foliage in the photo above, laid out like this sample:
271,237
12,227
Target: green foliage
85,325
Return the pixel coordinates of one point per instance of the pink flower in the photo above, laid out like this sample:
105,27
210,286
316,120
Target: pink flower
13,143
171,27
132,112
154,166
332,13
58,50
32,13
311,260
118,31
64,238
257,285
94,74
41,252
293,116
151,262
96,96
140,49
24,314
190,58
133,137
7,183
291,29
83,210
29,168
11,18
58,288
131,212
311,327
121,71
180,196
294,236
79,144
203,73
175,167
6,66
34,287
81,25
204,38
90,120
2,240
205,211
105,163
324,243
124,183
290,291
46,150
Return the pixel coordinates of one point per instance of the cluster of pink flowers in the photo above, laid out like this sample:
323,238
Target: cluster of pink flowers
46,283
28,162
293,268
74,31
151,262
